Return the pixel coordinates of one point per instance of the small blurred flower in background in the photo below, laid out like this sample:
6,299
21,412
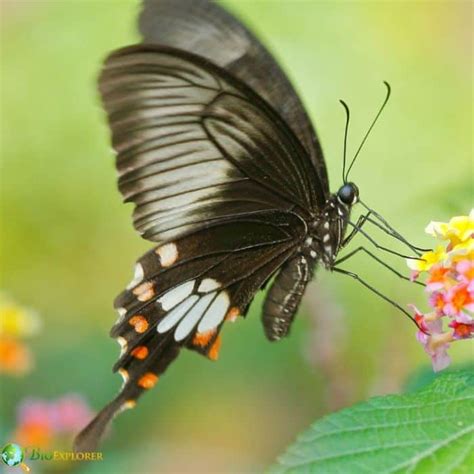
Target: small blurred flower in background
17,323
51,424
450,285
39,423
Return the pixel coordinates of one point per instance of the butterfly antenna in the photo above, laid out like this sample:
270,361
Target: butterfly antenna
389,91
348,116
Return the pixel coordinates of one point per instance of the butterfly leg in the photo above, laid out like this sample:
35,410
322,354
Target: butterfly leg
377,292
363,219
393,233
370,254
360,222
380,247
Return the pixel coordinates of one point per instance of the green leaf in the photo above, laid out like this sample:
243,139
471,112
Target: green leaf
424,376
427,431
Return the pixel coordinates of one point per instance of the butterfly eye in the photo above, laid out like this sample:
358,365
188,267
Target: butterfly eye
348,194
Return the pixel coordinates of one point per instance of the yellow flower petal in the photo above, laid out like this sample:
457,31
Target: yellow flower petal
428,259
437,229
458,230
462,251
17,321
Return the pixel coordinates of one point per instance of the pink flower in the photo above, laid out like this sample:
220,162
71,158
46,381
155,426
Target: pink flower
71,413
465,269
33,410
438,278
414,274
437,301
437,349
423,324
462,330
458,300
434,341
43,423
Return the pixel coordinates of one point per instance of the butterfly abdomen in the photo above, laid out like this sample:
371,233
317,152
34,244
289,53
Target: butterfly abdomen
285,295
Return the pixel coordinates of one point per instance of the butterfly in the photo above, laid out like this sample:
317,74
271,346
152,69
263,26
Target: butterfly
228,179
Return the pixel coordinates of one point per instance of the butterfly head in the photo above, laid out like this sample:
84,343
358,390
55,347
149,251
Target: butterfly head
348,194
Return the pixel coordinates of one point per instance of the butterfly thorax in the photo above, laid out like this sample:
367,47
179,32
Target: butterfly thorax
327,231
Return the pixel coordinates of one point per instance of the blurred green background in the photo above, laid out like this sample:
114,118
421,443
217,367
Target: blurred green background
69,246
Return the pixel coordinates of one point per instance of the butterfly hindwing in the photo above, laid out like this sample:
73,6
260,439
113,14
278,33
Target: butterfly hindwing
182,293
196,146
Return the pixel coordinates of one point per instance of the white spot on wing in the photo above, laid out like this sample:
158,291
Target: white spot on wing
208,284
188,323
313,253
137,277
127,405
124,374
171,298
326,238
168,254
122,312
216,312
123,345
174,316
326,225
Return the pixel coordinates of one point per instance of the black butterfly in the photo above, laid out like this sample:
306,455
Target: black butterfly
218,155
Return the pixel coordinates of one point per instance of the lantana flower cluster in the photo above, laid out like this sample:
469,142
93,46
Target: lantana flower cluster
17,324
449,271
47,424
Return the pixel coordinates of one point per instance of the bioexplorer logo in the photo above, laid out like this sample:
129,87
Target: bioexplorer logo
13,455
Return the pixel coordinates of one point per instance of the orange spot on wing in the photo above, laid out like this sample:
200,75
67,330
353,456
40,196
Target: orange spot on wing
148,380
202,338
144,292
139,323
213,353
232,314
140,352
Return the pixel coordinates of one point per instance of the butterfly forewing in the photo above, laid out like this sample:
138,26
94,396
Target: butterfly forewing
209,31
195,145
